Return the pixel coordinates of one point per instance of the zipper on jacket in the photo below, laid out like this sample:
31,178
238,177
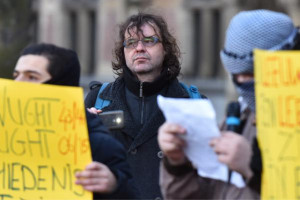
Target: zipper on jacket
141,89
143,103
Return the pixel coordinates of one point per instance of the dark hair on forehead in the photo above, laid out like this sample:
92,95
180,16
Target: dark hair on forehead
135,24
64,66
159,25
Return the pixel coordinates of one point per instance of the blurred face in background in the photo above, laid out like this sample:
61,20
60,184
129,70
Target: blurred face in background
32,68
145,58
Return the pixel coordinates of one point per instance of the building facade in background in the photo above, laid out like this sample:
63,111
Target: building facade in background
90,27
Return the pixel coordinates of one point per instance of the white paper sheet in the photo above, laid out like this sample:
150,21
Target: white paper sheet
198,117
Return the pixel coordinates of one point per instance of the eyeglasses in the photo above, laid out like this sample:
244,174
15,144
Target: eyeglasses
147,42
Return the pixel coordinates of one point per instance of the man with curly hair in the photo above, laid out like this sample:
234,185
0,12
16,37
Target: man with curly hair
147,64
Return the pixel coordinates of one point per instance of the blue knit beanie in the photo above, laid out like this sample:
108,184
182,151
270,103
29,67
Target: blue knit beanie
261,29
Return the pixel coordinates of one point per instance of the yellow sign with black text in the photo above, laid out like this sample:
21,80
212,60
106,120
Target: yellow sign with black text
43,141
277,90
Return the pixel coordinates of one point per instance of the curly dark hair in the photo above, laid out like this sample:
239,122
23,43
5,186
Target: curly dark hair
171,59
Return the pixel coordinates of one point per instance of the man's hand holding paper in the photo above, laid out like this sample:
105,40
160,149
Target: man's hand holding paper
196,118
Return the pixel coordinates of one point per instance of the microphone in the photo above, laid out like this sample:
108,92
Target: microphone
233,123
233,117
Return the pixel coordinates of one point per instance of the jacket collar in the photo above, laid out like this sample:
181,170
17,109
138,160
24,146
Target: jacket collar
148,88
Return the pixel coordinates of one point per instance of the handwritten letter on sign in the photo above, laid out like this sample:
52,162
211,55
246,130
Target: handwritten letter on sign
43,141
277,77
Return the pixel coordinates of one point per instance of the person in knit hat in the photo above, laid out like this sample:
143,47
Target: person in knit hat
247,30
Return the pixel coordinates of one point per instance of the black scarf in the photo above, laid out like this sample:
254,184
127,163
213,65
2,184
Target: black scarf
149,88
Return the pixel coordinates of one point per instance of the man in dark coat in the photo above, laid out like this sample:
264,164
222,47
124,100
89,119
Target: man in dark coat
108,176
147,64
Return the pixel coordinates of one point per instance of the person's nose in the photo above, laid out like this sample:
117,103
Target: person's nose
140,46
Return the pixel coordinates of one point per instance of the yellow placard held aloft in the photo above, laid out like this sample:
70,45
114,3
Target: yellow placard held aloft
277,90
43,141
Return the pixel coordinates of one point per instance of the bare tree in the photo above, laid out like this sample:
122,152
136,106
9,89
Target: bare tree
16,18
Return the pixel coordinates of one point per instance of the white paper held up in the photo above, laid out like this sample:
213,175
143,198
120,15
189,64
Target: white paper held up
198,117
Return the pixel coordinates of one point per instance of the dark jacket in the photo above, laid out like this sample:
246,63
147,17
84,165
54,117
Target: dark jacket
142,120
110,152
183,182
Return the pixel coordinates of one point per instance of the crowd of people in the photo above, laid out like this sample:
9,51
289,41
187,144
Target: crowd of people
146,159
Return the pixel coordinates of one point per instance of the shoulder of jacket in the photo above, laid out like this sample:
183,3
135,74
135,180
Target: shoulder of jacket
94,85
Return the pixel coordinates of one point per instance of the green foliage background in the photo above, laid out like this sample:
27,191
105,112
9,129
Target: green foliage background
16,19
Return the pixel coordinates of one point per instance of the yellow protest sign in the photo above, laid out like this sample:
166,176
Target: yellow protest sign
277,80
43,141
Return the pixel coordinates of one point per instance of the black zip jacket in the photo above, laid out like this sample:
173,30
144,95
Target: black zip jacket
142,119
110,152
